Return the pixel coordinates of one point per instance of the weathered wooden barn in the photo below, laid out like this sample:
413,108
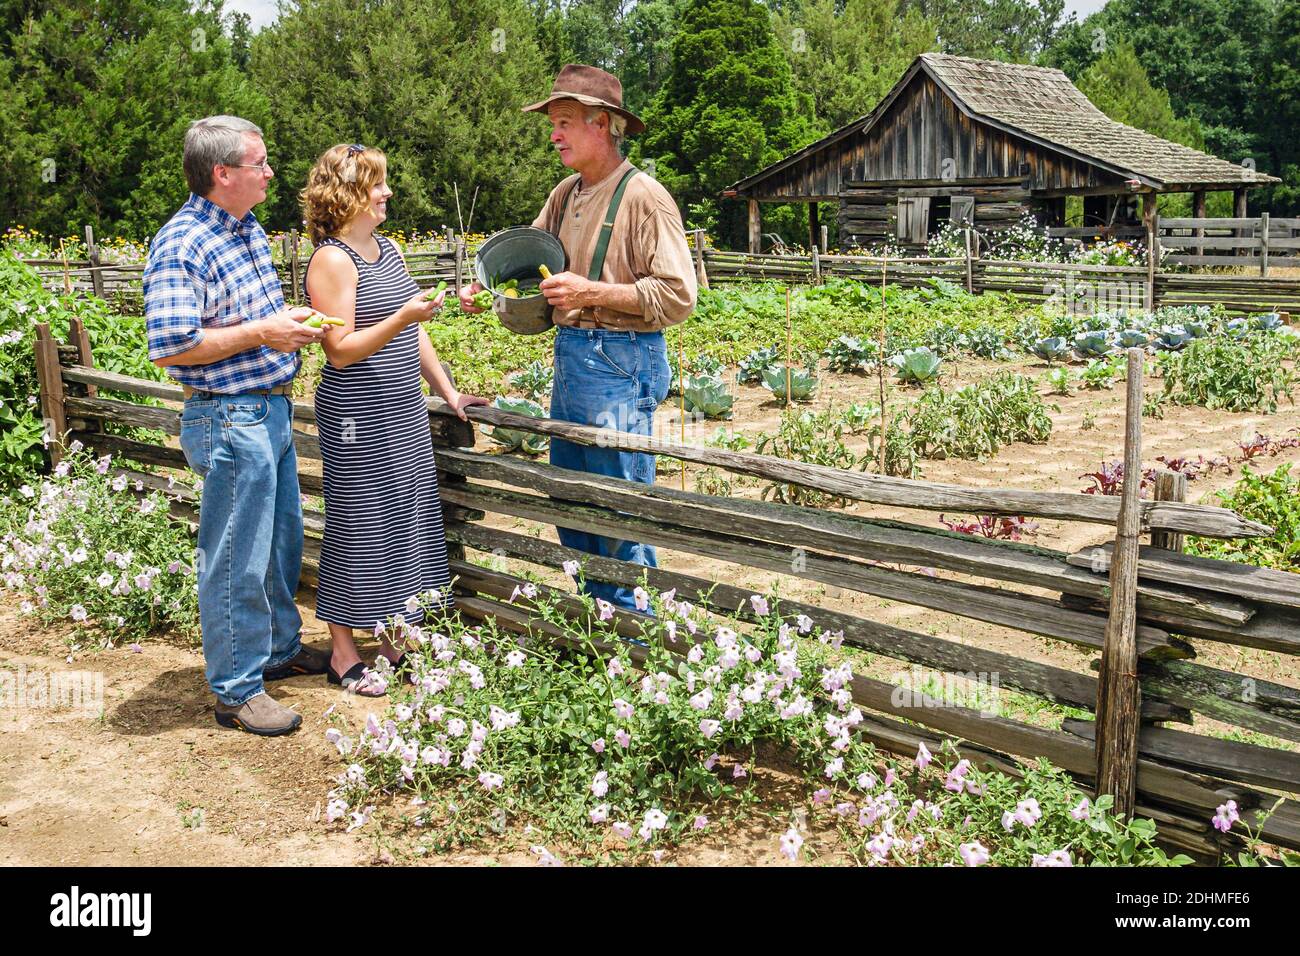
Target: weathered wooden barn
984,143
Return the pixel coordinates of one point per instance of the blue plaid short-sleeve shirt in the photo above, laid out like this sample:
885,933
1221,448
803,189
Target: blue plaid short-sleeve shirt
207,270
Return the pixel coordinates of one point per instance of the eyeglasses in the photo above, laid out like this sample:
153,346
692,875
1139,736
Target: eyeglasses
264,165
356,148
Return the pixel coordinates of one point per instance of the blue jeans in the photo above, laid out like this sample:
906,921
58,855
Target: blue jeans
609,380
250,536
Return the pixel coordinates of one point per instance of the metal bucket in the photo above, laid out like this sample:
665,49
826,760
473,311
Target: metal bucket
516,253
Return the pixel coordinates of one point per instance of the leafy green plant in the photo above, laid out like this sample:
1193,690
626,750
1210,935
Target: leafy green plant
1273,499
1100,373
731,441
975,421
849,353
814,438
708,393
535,380
1093,344
1051,349
859,416
753,364
116,341
1171,338
81,546
1060,380
1236,375
987,342
946,340
916,366
515,439
802,383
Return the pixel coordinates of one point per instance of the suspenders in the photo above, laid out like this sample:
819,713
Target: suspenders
606,228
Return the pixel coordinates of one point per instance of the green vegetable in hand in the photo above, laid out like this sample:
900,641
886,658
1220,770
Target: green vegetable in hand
482,300
317,319
438,290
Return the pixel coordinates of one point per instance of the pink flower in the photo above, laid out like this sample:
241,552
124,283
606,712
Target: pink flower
791,841
711,762
600,814
622,708
1055,858
709,727
571,568
598,745
1027,812
623,829
889,777
606,609
973,854
834,767
1081,812
600,785
759,604
821,796
641,598
1225,816
923,757
738,771
701,821
867,781
614,668
623,738
490,781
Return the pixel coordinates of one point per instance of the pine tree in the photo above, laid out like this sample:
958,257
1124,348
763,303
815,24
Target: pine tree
438,89
727,109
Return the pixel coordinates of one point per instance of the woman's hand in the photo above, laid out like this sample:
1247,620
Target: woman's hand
459,402
419,308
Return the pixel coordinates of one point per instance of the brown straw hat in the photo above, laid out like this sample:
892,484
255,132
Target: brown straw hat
590,86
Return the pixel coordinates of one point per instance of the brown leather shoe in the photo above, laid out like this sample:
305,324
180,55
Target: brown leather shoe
259,715
308,660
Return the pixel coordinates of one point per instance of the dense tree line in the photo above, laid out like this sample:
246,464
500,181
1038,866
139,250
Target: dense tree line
100,91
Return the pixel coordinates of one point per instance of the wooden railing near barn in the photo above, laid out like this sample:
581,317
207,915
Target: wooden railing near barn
1180,777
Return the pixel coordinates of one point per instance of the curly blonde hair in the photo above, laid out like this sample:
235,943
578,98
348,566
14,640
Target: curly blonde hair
338,188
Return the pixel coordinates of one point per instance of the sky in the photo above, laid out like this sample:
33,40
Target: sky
262,12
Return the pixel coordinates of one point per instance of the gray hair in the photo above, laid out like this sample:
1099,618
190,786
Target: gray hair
617,124
213,140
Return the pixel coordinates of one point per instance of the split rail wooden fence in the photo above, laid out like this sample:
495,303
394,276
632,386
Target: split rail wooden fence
1141,612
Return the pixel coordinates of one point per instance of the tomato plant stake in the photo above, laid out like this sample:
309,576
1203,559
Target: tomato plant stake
880,363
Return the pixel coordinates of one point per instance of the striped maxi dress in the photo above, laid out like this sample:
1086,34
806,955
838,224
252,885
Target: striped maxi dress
384,540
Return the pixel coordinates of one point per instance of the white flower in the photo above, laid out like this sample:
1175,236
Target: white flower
515,659
78,613
791,841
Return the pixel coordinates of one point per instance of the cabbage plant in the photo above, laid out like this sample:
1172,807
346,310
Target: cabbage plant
916,365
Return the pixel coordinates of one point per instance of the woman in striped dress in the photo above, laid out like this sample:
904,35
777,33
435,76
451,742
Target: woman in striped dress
384,539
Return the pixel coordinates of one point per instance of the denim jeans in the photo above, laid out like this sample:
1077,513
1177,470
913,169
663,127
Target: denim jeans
250,536
609,380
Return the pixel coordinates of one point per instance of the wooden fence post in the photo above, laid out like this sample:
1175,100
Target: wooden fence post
294,269
1119,704
1170,486
92,256
755,227
1151,219
701,276
1263,244
970,271
80,340
460,263
825,239
816,266
50,379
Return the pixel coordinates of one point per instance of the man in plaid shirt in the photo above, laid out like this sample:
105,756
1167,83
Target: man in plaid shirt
218,324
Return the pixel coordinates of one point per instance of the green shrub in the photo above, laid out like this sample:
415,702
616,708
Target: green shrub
1273,499
974,421
1237,375
118,342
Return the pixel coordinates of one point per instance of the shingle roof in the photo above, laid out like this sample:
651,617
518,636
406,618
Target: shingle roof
1044,104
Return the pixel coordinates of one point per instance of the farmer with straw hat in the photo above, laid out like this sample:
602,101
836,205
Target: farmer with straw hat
630,276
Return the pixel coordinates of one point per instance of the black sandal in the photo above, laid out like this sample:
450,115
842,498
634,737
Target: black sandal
350,681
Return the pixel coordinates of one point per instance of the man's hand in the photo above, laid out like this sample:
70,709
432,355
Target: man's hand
568,290
285,331
467,293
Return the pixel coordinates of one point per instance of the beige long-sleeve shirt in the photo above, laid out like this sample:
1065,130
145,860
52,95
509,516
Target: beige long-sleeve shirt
647,249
